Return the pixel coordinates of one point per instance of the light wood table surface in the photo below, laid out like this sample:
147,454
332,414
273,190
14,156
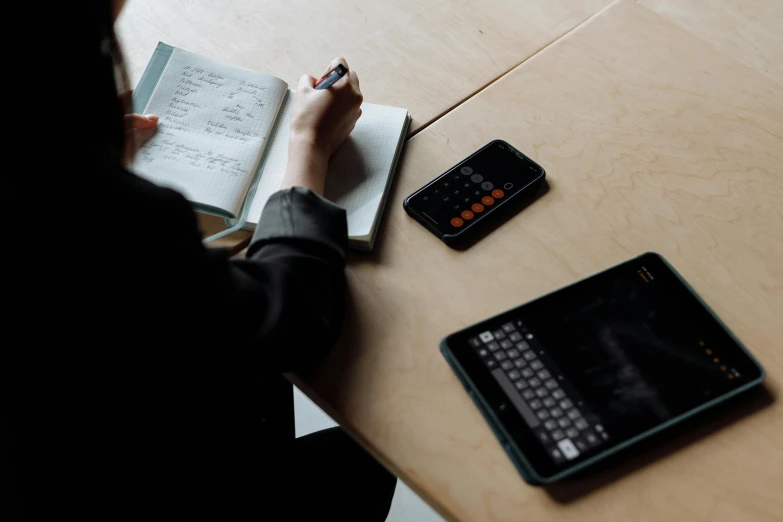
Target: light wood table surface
424,55
749,30
654,139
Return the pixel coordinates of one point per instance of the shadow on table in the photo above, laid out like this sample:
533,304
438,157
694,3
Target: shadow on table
487,228
660,446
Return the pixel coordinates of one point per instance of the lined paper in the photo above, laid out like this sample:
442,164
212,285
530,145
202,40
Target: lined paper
274,165
214,122
358,171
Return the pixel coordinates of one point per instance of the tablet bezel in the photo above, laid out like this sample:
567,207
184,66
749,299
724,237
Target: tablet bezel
535,465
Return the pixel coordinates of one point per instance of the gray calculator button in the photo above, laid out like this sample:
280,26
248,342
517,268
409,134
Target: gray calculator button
571,432
549,402
558,394
527,373
537,365
493,346
543,414
599,428
535,404
544,437
550,424
515,336
550,384
534,382
529,394
520,363
581,424
506,344
591,438
513,374
566,403
557,434
557,412
512,353
508,327
507,365
486,336
491,363
477,178
466,171
579,443
529,355
499,334
483,352
573,414
522,346
544,374
568,449
474,342
499,355
521,384
564,422
541,392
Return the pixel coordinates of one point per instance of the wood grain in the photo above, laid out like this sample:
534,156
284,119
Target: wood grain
749,30
424,55
653,140
234,242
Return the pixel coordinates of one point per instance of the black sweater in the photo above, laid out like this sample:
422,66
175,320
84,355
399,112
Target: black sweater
142,370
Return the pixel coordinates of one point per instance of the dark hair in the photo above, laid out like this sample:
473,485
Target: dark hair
110,91
66,119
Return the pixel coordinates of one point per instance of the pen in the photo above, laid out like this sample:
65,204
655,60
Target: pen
326,81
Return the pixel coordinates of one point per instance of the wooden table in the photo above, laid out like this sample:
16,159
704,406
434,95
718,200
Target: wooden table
654,139
424,55
749,30
660,124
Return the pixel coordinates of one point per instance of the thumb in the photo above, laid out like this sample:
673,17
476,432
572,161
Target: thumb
141,122
306,82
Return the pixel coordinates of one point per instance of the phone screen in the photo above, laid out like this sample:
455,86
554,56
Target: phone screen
474,188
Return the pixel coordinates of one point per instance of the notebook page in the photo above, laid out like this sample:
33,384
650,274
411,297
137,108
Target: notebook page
360,168
357,173
274,164
214,121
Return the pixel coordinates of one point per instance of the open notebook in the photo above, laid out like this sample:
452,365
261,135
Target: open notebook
222,141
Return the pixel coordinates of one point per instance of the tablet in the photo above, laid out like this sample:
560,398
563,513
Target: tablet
581,373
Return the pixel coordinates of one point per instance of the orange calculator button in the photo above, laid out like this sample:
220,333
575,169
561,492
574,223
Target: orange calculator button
467,215
477,207
456,222
488,200
497,194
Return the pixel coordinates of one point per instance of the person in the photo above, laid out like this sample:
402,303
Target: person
143,371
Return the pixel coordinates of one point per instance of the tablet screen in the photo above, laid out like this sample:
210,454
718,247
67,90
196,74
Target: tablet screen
611,357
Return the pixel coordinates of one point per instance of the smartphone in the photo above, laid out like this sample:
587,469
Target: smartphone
473,193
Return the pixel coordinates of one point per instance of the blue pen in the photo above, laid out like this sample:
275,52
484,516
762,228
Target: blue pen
328,79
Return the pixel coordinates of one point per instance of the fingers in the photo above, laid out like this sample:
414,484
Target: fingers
342,82
142,136
306,82
354,80
337,61
142,121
